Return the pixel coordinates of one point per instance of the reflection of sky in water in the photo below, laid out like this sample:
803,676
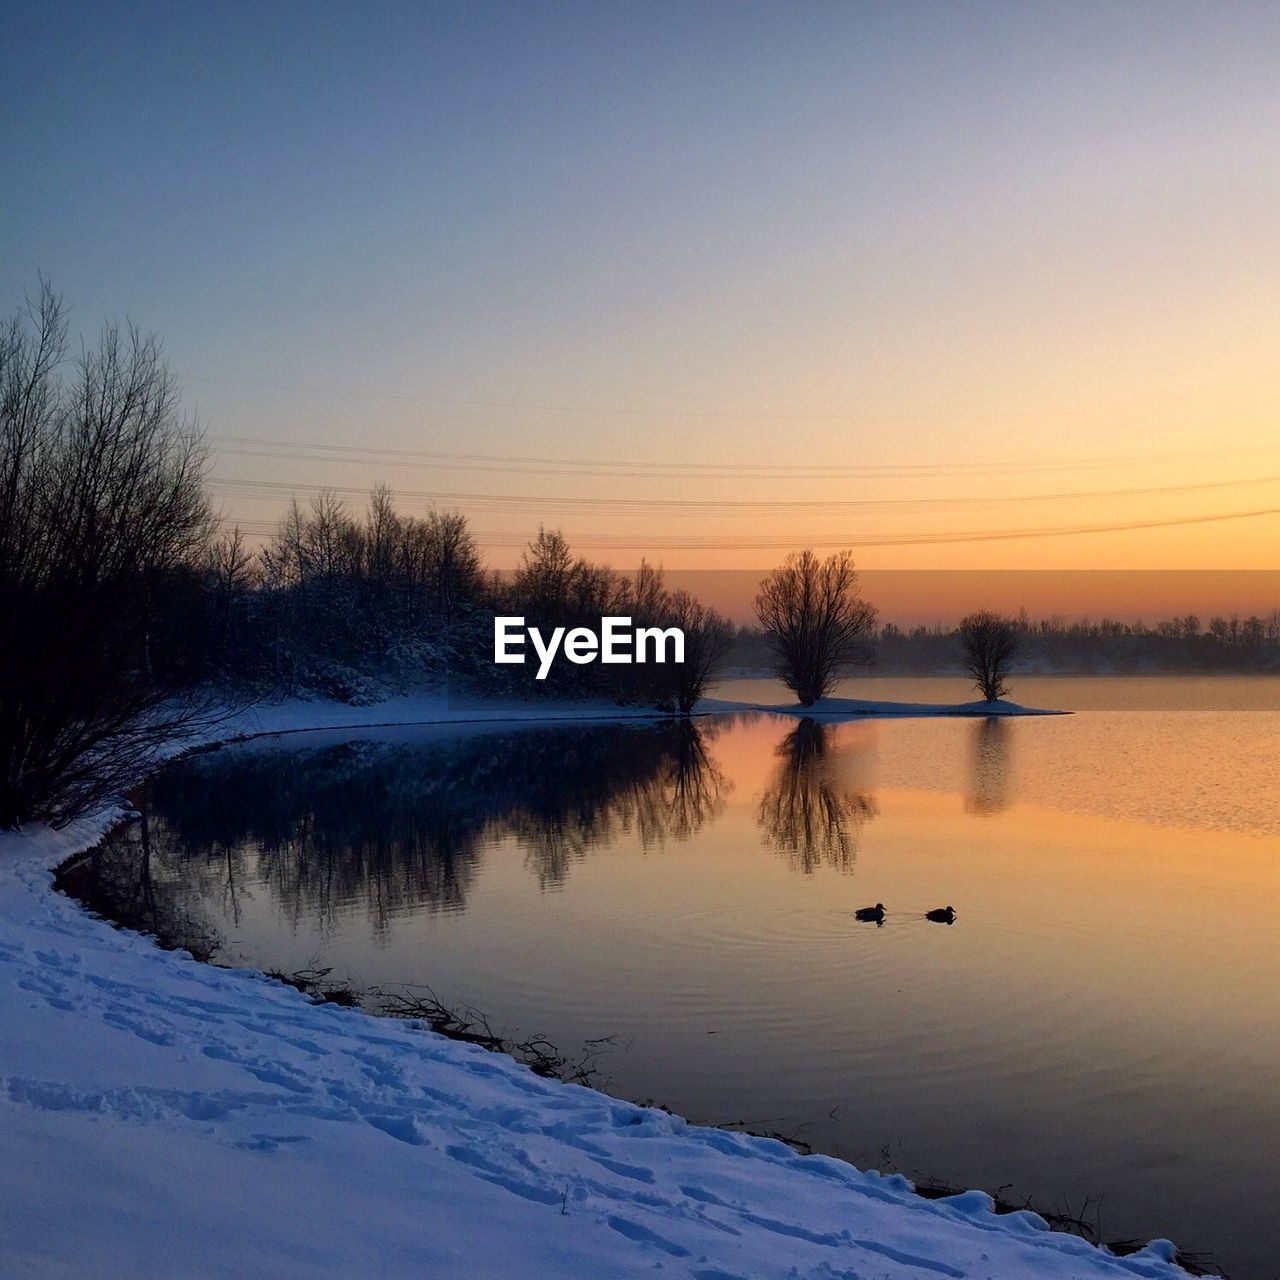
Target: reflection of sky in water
1155,749
1100,1019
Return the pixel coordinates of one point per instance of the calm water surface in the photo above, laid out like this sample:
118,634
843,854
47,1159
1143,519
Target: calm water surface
1102,1020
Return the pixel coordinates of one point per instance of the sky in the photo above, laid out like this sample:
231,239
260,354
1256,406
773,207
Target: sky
703,282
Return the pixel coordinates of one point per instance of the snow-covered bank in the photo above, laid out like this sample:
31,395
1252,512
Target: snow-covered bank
297,715
161,1117
300,715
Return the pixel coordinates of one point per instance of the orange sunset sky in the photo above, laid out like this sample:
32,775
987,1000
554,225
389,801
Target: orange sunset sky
978,287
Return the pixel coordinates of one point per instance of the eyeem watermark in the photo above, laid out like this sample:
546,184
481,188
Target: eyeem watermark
616,642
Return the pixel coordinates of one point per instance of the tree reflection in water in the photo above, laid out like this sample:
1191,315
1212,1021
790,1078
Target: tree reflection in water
662,786
389,828
381,829
990,775
127,880
808,813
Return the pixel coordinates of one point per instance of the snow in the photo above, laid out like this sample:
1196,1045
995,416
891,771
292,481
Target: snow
161,1117
297,715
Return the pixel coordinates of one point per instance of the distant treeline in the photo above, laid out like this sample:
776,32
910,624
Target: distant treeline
1187,644
355,604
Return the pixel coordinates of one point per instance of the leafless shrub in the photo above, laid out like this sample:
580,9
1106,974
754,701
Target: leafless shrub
815,620
989,641
346,602
460,1022
707,637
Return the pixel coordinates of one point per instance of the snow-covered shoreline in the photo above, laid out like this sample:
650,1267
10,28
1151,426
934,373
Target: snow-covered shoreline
164,1117
300,716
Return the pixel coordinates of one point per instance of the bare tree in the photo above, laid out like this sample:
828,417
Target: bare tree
707,637
545,579
815,620
332,543
103,517
642,594
383,533
990,641
229,573
452,561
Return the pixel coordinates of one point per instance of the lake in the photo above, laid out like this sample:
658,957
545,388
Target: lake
1098,1030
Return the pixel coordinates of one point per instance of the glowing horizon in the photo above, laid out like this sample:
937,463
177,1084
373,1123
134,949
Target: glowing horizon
989,270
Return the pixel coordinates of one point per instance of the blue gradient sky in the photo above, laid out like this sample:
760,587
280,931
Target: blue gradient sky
917,233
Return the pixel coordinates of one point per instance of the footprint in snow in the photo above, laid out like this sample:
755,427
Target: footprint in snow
642,1235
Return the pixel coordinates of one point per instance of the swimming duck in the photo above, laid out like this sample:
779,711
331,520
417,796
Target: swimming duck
875,913
941,915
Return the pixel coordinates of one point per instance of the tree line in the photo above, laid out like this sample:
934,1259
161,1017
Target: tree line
132,619
1221,643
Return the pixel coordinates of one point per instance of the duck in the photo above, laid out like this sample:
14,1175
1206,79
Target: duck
875,913
941,915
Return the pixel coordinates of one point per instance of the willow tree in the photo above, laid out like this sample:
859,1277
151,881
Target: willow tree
815,621
989,642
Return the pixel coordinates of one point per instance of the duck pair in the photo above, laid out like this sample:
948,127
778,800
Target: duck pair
876,914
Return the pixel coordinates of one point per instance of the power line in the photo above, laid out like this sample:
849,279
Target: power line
315,451
666,542
724,507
